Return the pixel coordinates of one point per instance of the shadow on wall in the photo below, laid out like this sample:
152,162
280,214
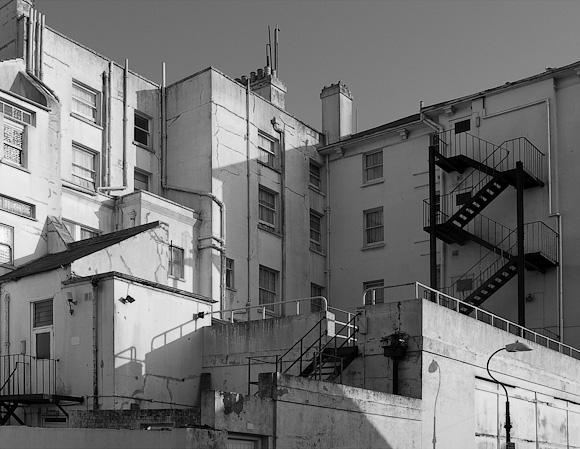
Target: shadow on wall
169,374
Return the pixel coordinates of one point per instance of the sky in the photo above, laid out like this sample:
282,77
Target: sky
392,54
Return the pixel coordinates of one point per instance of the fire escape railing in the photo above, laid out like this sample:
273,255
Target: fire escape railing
22,374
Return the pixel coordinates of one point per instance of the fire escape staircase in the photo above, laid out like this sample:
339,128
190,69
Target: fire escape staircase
326,357
459,219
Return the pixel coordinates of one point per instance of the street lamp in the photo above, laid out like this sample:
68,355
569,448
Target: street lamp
512,347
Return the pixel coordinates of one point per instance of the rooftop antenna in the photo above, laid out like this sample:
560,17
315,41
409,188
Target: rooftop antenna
276,32
269,48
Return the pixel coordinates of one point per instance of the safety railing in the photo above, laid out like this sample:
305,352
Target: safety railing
448,301
22,374
540,238
466,144
522,150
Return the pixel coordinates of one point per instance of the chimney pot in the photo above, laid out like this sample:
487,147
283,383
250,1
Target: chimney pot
252,76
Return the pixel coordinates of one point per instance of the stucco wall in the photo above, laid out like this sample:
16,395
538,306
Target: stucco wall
26,438
305,413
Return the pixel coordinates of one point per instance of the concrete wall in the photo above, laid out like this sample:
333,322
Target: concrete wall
226,348
26,437
304,413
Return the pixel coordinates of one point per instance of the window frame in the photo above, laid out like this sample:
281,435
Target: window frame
230,274
317,175
9,245
6,201
40,329
147,177
147,132
379,284
315,243
76,230
20,129
173,263
316,303
265,291
462,126
94,169
367,229
96,107
367,169
270,207
269,157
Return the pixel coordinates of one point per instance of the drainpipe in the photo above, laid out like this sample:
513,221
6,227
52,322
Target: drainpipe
552,213
38,40
125,164
221,240
163,126
95,284
327,210
6,321
281,132
248,196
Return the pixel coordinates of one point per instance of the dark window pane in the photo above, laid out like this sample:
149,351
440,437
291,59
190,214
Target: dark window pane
43,345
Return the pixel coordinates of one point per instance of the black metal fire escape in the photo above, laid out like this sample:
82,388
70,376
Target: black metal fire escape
487,171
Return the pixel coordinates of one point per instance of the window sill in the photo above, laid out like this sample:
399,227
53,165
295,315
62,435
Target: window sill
72,186
86,120
316,189
13,165
315,250
231,289
145,147
269,229
277,170
373,182
175,277
373,246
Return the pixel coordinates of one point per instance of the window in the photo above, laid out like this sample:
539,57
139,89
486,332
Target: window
268,149
376,295
42,320
142,132
373,166
176,267
16,113
17,207
315,231
463,126
316,303
85,102
141,180
13,142
6,244
84,171
315,179
268,287
374,228
267,201
230,273
80,232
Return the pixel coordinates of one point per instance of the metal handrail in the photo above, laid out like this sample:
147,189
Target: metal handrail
265,307
22,374
444,300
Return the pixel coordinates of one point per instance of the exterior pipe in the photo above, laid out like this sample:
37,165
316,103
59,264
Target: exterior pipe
222,238
327,210
41,48
248,196
282,133
163,126
37,40
554,190
95,284
6,321
125,83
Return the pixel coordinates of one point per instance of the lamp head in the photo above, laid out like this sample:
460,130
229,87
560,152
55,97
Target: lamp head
518,346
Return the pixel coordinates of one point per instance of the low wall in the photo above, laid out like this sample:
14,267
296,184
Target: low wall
133,419
305,413
35,437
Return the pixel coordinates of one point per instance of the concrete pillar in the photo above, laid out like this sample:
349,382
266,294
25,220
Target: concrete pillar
336,112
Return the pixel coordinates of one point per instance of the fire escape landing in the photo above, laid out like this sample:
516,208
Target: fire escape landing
488,170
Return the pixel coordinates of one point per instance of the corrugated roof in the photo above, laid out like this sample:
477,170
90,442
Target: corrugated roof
75,251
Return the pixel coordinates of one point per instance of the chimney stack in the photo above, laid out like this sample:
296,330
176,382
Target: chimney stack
267,85
336,112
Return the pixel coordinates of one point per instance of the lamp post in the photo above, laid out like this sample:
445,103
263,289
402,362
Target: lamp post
434,366
512,347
